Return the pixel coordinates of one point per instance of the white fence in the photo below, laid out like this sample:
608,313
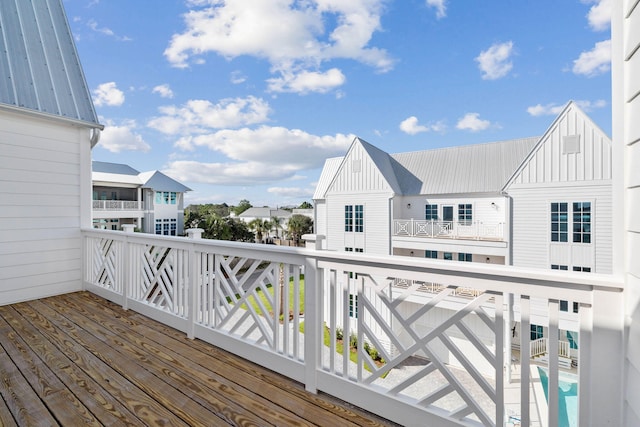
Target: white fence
232,295
448,229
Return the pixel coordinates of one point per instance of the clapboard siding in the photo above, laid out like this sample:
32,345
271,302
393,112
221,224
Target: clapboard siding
531,228
40,206
627,87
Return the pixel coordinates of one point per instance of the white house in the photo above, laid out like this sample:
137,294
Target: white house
542,202
494,203
151,201
47,128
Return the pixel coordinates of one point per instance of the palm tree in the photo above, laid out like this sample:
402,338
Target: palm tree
276,223
299,225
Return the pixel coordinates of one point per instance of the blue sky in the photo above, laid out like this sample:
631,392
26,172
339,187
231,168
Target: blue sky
246,99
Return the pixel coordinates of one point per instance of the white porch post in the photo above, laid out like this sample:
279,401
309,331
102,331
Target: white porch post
192,292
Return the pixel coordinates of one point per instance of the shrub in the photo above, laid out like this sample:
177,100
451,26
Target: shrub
339,334
353,340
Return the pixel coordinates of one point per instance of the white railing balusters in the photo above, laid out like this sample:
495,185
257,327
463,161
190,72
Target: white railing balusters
447,229
407,309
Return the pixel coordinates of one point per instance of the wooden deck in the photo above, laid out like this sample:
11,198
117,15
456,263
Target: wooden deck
79,359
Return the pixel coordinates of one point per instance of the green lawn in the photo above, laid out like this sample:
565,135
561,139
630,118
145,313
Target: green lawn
253,299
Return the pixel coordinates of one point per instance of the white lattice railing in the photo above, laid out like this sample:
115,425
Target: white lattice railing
117,205
539,348
448,229
447,361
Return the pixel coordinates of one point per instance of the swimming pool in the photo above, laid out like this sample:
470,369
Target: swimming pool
567,397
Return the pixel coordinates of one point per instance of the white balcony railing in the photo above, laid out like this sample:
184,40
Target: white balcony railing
117,205
448,229
231,295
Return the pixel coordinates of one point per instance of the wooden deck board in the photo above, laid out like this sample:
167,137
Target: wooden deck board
78,358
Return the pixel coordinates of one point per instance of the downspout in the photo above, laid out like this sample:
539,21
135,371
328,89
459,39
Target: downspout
95,136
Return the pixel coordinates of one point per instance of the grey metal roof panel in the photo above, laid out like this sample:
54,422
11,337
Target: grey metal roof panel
481,168
158,181
384,164
115,168
39,65
329,171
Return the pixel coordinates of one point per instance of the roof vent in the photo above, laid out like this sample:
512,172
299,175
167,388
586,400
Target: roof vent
356,166
571,144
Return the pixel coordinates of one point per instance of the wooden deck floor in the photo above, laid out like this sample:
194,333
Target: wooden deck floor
79,359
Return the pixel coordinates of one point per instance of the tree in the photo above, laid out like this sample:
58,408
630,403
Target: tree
305,205
276,223
299,225
242,206
260,226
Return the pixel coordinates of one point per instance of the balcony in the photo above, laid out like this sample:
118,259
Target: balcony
78,359
448,230
460,370
117,205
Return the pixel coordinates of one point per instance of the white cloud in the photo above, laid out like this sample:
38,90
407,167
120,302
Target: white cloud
494,62
472,122
163,90
291,192
410,125
199,116
237,77
307,81
440,6
239,173
108,94
599,15
122,137
595,61
105,30
316,31
272,146
553,109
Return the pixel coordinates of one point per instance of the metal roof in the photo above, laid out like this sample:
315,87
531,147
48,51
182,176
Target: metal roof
125,174
115,168
481,168
329,170
39,65
158,181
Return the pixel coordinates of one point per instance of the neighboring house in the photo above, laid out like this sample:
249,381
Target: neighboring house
542,202
532,202
267,214
48,126
151,201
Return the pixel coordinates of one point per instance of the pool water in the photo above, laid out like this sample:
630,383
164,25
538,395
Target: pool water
567,397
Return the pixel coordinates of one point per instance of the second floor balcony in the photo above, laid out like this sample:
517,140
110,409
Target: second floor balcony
472,230
117,205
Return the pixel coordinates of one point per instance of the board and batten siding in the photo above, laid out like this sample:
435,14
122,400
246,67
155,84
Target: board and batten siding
42,198
571,163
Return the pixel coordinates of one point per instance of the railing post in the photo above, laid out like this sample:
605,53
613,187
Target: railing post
313,282
192,292
606,361
127,274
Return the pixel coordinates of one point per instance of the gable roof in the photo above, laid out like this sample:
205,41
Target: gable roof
579,164
125,174
480,168
158,181
39,66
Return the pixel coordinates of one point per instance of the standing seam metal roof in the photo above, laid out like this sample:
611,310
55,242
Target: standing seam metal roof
39,65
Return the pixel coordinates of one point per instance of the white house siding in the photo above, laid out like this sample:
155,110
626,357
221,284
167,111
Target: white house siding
532,246
376,236
42,204
320,220
556,173
626,135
